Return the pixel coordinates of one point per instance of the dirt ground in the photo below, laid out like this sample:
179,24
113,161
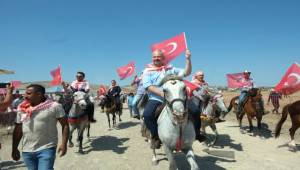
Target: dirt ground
124,148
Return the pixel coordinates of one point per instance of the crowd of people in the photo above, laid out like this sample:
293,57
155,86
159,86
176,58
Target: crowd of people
40,141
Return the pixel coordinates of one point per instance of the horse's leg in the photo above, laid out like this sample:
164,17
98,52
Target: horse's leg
170,156
120,112
88,130
80,137
154,159
250,123
72,128
108,118
114,120
259,118
191,158
214,128
240,118
292,134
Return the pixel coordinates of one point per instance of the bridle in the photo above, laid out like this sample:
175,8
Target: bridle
179,118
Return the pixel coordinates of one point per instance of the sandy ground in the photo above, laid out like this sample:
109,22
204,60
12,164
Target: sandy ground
125,149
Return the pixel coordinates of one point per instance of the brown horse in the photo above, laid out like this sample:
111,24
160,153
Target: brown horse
111,108
294,111
251,108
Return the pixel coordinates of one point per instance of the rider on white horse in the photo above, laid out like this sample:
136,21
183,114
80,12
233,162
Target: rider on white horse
152,76
80,84
200,96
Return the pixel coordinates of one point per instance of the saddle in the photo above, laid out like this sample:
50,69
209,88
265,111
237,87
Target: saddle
143,101
159,110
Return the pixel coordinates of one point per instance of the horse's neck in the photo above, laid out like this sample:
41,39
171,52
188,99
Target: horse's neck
75,110
209,109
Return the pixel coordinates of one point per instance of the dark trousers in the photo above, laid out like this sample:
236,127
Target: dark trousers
90,110
118,102
149,116
194,105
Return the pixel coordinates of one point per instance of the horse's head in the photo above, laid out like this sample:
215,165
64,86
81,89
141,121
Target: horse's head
175,96
107,100
79,98
58,98
219,101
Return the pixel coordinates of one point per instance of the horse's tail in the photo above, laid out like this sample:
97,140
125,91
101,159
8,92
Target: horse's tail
231,103
230,107
281,121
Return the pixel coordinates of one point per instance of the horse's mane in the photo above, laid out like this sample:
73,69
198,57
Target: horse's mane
170,77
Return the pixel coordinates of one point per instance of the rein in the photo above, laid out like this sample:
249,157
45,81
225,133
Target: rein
179,120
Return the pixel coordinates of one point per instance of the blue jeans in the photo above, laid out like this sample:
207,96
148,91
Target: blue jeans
40,160
242,99
135,102
149,116
130,110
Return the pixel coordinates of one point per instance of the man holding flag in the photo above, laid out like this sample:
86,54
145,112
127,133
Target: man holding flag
247,83
152,76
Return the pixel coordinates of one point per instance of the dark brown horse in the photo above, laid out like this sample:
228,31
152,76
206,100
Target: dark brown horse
111,108
294,111
251,107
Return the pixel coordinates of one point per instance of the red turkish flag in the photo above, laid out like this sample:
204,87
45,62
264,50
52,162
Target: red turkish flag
171,48
102,90
126,70
16,83
235,80
290,82
190,87
56,74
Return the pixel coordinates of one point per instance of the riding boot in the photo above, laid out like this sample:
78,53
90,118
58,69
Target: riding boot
137,117
91,118
197,126
91,113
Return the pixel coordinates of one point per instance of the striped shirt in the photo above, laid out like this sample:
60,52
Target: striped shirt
274,97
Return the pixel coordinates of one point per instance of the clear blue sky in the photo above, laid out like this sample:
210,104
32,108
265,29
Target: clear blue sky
224,36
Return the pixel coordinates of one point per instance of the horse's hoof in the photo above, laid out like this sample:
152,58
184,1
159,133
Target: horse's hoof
154,162
71,145
80,152
292,144
242,131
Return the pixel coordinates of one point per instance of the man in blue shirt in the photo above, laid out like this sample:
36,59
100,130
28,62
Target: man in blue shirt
152,76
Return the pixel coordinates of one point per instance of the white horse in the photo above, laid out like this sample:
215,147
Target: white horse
78,118
175,130
209,114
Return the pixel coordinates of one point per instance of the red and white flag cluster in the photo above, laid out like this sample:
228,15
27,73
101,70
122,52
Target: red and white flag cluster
126,71
56,75
102,90
290,82
172,47
235,80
